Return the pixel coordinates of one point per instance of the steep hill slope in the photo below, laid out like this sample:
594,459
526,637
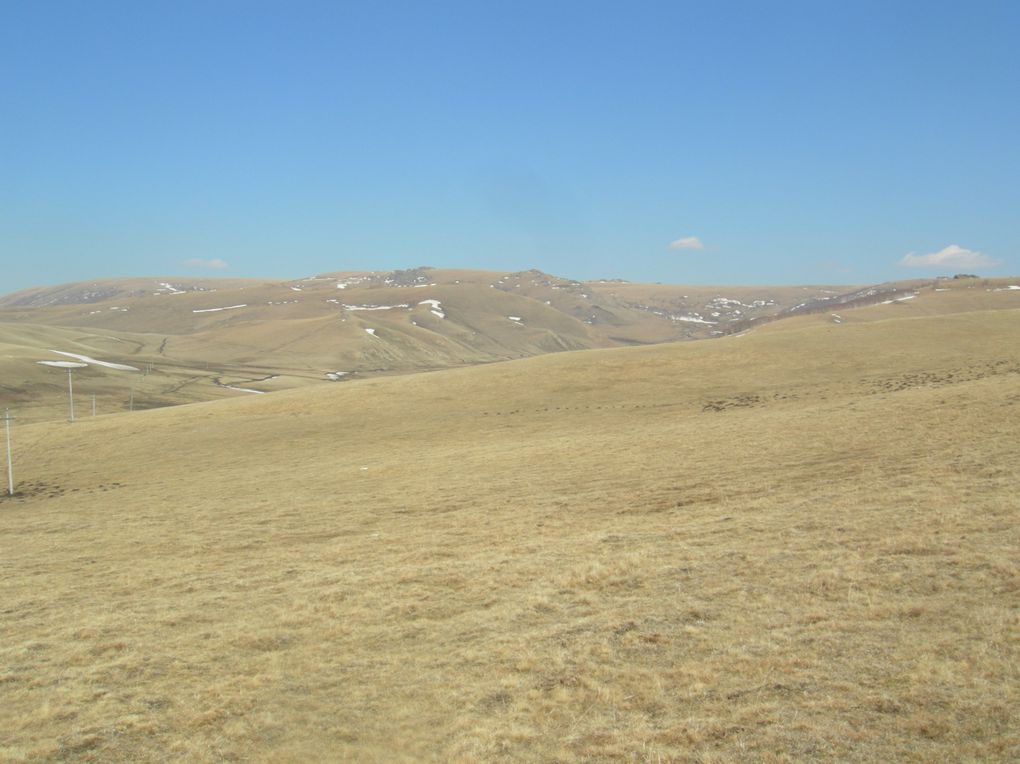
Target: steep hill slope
786,545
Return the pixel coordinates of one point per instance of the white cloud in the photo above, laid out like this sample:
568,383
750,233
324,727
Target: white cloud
688,242
197,262
953,256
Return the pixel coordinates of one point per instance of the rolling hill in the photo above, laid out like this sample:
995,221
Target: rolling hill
791,544
196,340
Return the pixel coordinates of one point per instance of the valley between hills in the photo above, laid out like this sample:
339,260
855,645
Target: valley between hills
787,532
145,343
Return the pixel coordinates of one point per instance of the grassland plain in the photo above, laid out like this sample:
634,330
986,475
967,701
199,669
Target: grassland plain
795,544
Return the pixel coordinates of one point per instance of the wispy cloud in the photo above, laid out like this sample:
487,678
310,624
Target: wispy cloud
953,256
197,262
688,242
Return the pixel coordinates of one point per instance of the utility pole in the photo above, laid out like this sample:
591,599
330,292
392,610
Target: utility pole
10,469
70,393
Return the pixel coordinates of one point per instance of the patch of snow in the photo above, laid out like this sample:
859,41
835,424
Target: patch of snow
694,320
898,299
245,390
87,360
437,307
352,281
372,332
376,307
63,364
335,375
1010,288
515,318
295,289
214,310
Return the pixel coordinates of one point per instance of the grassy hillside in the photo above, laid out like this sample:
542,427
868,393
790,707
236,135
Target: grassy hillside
796,544
209,339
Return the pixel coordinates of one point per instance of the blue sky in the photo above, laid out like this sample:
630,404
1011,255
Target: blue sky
723,142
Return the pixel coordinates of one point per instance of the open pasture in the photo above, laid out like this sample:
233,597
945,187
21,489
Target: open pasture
789,545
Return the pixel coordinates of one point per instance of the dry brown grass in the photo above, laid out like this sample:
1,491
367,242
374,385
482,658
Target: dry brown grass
293,334
786,546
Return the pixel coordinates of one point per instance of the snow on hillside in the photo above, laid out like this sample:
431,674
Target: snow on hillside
695,319
436,309
88,360
214,310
